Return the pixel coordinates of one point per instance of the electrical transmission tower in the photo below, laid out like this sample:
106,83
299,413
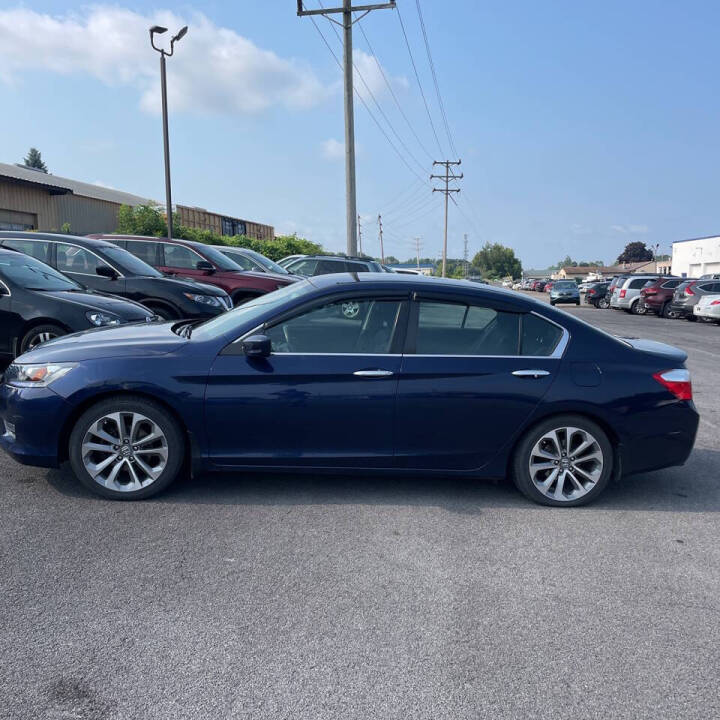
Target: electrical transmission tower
347,23
446,178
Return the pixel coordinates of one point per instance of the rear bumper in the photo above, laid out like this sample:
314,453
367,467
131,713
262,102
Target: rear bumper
30,422
682,310
711,312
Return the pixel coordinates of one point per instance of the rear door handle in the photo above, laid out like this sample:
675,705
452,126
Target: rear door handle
530,373
373,373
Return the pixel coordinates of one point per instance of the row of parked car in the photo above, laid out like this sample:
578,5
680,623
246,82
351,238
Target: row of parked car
54,284
561,291
663,295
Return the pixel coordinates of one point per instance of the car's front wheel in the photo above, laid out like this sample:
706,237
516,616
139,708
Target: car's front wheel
638,308
127,448
38,335
564,461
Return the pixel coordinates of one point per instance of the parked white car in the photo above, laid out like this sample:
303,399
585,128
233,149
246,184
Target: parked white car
708,307
626,295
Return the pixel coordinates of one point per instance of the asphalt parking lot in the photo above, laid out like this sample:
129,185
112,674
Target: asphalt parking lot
255,596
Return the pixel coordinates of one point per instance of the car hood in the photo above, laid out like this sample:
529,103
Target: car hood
148,340
287,279
125,309
669,352
182,284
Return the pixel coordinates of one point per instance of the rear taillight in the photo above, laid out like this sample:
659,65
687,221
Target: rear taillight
677,382
623,292
715,302
591,292
688,290
649,291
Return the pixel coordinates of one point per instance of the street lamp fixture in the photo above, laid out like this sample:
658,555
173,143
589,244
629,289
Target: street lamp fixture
159,30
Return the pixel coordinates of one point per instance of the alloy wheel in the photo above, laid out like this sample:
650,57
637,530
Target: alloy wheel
566,463
350,309
124,451
39,339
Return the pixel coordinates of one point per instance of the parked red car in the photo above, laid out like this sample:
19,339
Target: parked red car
548,286
202,263
658,294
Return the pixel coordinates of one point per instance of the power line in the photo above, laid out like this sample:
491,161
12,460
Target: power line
435,80
417,77
392,92
446,191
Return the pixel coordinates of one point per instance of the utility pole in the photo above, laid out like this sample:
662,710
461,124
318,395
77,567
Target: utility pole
417,251
359,230
382,247
447,177
347,23
465,255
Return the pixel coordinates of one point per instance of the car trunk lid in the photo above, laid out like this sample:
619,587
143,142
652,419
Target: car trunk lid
660,349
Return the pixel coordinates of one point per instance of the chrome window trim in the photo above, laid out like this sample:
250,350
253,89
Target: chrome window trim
9,293
80,247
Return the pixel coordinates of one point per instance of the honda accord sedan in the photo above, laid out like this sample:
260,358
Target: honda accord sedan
355,373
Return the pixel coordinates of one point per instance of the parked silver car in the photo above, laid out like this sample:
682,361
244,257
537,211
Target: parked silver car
626,295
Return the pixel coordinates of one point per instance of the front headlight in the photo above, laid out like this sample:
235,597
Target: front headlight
205,299
20,375
99,319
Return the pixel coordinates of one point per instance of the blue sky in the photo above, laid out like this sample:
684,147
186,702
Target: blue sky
581,126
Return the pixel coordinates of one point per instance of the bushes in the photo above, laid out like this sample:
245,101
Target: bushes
150,221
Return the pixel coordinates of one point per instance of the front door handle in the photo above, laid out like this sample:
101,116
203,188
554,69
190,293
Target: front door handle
530,373
373,373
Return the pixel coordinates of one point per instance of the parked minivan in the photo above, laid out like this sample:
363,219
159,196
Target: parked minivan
626,295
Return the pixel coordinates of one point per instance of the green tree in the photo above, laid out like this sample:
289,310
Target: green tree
391,260
635,252
496,261
141,220
34,160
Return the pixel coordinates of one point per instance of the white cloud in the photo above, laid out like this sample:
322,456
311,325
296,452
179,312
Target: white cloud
214,70
333,149
367,66
630,229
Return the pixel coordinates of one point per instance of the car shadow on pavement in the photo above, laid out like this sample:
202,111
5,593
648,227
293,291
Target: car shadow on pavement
694,487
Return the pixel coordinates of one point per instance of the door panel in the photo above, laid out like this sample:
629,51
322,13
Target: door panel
9,322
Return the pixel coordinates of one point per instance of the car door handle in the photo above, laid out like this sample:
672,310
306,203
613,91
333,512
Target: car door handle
373,373
530,373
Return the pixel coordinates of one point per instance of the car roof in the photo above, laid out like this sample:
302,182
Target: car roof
56,237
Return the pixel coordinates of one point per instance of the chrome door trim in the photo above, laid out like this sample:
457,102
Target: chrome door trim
373,373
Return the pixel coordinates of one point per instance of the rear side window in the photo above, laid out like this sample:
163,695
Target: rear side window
178,256
146,251
355,267
326,267
670,284
637,284
707,287
306,268
459,329
34,248
539,337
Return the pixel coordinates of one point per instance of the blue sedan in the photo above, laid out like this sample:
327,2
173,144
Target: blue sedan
366,372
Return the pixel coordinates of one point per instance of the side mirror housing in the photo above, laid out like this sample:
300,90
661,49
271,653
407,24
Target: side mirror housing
205,266
257,346
106,271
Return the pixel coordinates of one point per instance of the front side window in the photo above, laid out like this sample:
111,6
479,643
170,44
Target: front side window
327,267
356,267
73,259
446,328
244,262
177,256
146,251
360,326
306,268
35,248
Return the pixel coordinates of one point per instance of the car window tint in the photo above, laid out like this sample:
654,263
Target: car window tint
177,256
146,251
637,284
459,329
34,248
71,258
539,337
706,287
355,267
326,267
361,326
670,284
244,262
306,268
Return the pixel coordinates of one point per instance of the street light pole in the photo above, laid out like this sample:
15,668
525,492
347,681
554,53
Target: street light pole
163,90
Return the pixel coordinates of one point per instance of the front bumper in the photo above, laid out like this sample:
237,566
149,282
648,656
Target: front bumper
564,298
31,420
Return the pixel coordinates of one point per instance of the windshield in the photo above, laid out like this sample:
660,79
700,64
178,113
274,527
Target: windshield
217,258
128,263
564,284
266,262
232,319
31,274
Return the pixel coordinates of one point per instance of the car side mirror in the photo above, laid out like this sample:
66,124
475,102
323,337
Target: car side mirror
205,266
106,271
257,346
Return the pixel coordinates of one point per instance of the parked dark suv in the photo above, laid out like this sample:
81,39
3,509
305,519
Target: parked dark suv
100,265
596,294
311,265
202,263
658,294
687,295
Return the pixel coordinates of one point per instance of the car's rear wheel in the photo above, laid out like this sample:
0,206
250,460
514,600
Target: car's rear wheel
564,461
38,335
638,308
603,303
162,311
667,312
126,449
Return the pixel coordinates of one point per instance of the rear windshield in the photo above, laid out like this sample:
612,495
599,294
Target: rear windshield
564,284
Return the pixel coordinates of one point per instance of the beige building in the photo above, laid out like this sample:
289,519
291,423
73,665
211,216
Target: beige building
34,200
202,219
661,267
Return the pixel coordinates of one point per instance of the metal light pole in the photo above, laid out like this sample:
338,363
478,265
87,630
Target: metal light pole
159,30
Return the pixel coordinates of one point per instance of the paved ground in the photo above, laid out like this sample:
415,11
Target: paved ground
297,597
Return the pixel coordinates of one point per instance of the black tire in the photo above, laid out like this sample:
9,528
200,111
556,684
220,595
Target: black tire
521,459
637,309
603,303
577,302
240,298
552,303
163,312
129,404
32,337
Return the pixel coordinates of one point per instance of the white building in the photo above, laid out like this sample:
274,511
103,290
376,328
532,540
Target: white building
696,256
